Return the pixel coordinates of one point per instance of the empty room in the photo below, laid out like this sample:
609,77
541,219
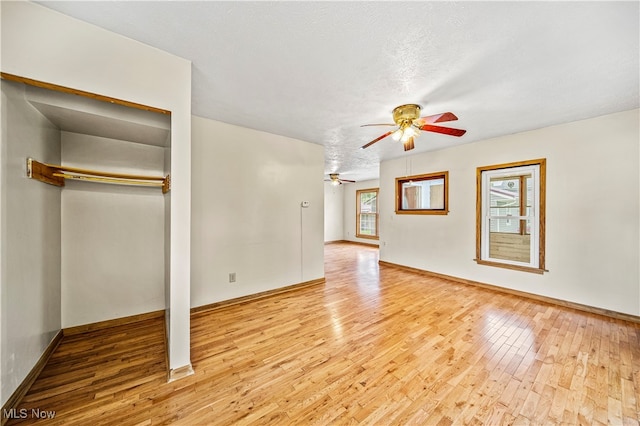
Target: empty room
327,213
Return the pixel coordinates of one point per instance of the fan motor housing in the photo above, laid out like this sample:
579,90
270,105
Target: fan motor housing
406,113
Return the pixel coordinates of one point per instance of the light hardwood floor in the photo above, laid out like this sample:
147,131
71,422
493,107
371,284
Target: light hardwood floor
374,345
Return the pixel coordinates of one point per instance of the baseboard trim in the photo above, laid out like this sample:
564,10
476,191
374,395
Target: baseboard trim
360,243
180,373
255,296
550,300
101,325
16,397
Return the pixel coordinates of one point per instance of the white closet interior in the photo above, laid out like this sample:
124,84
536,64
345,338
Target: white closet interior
112,237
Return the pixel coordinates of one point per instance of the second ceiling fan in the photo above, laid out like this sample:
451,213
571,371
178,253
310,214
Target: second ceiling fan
335,180
407,118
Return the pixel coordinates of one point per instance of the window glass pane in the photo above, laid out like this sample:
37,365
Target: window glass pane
505,192
423,194
368,224
368,202
510,226
508,245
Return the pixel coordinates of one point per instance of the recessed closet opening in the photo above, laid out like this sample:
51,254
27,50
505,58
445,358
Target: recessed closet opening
113,238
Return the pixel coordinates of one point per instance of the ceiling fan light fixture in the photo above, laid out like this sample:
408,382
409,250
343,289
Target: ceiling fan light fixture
397,135
407,118
408,133
334,179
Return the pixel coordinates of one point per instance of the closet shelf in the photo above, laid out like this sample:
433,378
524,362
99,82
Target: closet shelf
56,175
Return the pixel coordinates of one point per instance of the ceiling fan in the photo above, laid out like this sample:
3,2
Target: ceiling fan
407,118
335,179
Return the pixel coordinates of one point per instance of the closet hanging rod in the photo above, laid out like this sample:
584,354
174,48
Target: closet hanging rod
56,174
105,174
120,181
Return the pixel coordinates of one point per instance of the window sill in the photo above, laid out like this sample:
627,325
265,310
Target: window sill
539,271
440,212
369,237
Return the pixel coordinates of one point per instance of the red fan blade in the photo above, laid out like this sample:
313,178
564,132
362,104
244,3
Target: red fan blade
377,139
444,130
436,118
409,145
385,124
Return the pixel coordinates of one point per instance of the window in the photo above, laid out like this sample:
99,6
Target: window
510,215
423,194
367,213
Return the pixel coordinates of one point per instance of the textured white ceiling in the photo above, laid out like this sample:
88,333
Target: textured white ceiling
316,71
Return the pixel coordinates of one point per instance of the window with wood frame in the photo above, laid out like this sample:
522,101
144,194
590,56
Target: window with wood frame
367,213
510,215
423,194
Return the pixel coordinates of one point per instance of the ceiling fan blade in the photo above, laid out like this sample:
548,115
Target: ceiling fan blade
384,124
444,130
377,139
346,180
436,118
409,145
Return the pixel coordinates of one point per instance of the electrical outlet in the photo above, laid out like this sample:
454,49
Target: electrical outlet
232,277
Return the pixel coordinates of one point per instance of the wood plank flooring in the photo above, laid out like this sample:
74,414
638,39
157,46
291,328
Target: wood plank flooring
374,345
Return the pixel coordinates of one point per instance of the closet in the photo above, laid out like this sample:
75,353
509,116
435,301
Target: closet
106,171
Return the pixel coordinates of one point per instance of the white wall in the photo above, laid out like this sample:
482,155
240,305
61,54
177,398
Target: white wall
333,212
29,240
247,187
350,206
44,45
592,212
112,236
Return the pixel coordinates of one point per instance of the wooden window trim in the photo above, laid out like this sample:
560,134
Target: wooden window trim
358,234
542,162
428,176
509,266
